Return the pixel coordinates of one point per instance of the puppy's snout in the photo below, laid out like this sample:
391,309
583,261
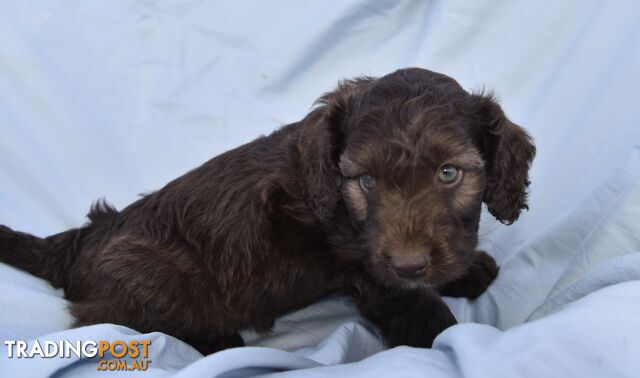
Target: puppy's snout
410,266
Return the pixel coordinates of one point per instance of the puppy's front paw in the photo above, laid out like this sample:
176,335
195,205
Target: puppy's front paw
413,319
475,281
211,344
418,328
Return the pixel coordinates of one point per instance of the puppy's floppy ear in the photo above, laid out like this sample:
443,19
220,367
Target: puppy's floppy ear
508,151
338,105
320,145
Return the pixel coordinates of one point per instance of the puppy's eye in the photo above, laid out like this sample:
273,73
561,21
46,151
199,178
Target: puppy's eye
448,174
367,182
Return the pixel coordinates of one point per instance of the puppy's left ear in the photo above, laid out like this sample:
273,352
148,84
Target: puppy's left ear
321,137
508,152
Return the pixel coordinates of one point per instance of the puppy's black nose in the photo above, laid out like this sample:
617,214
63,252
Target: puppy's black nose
410,267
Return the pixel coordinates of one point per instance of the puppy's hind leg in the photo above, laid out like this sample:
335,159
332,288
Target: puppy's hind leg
107,311
482,272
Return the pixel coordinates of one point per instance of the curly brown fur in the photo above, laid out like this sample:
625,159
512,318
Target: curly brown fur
348,200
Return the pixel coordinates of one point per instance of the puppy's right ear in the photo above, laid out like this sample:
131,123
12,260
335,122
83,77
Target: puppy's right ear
321,142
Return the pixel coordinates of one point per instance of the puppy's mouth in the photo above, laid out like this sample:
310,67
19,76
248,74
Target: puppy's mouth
414,280
430,278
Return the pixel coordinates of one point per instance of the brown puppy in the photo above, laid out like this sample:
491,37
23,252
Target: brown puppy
376,193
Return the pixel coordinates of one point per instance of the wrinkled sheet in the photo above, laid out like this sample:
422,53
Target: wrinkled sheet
113,99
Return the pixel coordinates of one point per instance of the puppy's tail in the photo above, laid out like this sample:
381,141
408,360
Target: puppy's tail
50,258
47,258
21,250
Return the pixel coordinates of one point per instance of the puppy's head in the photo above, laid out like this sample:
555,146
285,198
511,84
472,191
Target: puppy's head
417,156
